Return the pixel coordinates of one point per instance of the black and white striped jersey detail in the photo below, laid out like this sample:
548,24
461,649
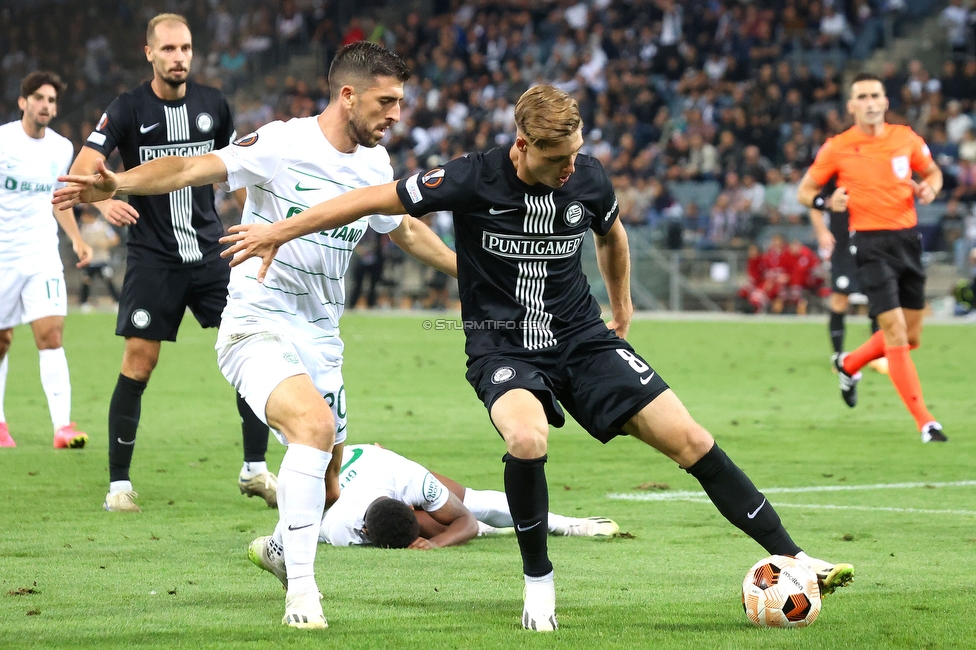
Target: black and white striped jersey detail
177,123
181,217
529,289
181,201
530,286
540,213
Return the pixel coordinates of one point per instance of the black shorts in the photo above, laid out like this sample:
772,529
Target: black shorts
889,267
843,271
154,299
600,380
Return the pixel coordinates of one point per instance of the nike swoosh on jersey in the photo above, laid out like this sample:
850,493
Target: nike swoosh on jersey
146,129
299,188
644,380
495,211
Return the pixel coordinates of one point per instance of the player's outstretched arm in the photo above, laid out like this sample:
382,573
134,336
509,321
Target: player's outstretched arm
262,240
160,176
613,259
462,527
117,213
416,238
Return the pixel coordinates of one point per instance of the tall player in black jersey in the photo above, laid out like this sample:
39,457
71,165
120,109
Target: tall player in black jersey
536,342
173,249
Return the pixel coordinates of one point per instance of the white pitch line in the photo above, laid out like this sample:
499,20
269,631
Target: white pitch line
689,495
828,506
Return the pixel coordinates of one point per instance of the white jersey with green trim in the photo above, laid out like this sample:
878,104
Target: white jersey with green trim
369,472
29,170
288,167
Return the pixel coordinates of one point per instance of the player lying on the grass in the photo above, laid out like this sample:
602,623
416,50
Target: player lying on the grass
393,502
279,342
539,343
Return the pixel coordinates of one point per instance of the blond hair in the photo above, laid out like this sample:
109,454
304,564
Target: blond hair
545,115
162,18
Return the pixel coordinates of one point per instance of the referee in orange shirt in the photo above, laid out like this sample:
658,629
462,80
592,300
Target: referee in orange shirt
873,162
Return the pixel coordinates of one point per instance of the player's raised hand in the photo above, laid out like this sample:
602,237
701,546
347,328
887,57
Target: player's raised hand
838,200
251,240
86,189
923,192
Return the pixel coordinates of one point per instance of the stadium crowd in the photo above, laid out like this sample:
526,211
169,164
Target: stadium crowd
704,112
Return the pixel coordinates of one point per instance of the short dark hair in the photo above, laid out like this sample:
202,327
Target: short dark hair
364,59
39,78
866,76
391,524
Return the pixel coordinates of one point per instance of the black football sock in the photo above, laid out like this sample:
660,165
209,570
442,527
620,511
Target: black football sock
254,431
836,329
123,420
741,503
528,500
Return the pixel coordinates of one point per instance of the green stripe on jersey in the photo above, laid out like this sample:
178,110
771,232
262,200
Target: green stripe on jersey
322,178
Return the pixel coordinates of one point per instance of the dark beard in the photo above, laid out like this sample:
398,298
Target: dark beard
172,83
362,134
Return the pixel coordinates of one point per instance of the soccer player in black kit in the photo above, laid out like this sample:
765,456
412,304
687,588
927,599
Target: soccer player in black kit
173,246
535,340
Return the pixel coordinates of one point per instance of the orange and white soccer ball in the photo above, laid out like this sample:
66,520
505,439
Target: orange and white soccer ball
781,591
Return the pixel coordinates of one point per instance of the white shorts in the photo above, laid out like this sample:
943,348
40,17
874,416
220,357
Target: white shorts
35,289
256,362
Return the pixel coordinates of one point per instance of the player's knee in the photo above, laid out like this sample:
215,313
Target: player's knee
314,428
526,442
49,340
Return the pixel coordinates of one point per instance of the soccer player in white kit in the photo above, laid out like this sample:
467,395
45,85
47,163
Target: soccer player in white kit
278,341
32,289
371,474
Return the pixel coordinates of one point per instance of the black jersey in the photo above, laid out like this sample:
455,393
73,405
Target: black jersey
181,227
519,273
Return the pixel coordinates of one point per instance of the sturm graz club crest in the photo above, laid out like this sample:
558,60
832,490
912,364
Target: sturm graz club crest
141,319
204,122
503,374
573,213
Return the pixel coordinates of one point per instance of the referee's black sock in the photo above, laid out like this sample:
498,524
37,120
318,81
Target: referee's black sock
528,500
836,329
741,503
254,431
123,420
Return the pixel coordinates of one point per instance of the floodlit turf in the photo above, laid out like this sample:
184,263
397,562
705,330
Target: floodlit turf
177,575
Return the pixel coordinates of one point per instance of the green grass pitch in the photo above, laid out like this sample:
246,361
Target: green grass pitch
73,576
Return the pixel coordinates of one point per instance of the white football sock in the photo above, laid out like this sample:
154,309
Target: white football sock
119,486
489,506
558,523
301,503
3,386
57,386
253,469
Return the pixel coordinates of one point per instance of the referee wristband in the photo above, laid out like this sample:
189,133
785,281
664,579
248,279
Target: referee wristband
819,203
